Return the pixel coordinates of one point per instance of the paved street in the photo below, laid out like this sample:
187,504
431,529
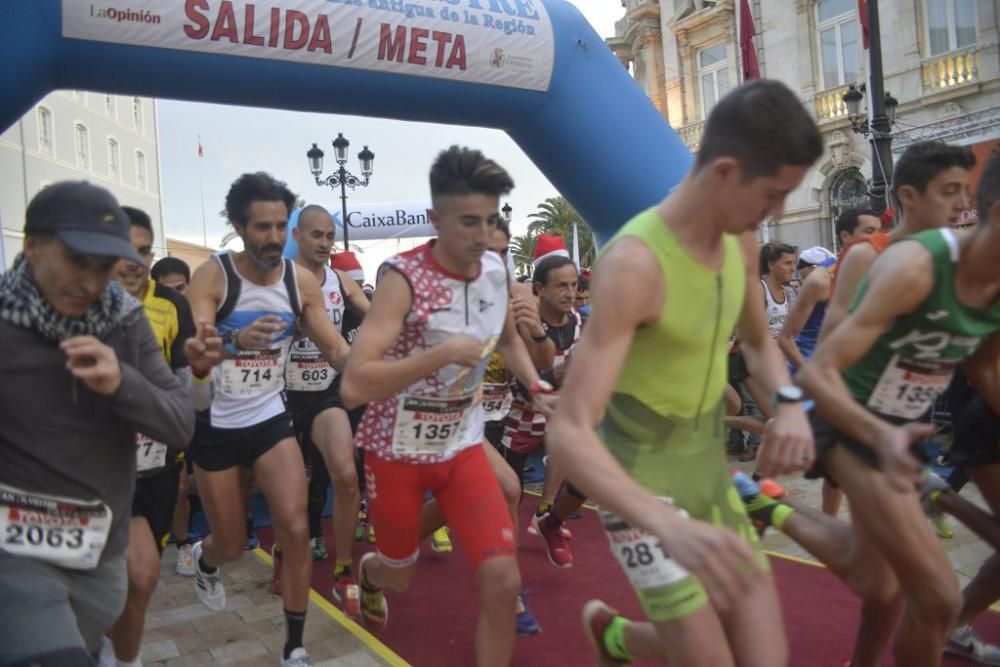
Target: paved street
249,633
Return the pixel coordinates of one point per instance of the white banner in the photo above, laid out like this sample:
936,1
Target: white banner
497,42
386,220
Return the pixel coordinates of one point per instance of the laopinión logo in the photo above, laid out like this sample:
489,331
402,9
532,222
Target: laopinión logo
124,15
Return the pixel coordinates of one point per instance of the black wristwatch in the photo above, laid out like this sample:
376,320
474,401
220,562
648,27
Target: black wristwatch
788,393
540,339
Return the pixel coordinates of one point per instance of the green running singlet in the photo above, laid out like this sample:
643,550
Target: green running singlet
912,363
664,421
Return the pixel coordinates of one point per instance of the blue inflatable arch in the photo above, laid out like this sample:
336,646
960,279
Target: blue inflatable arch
590,130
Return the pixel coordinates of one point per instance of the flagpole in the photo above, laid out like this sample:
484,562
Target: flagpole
201,184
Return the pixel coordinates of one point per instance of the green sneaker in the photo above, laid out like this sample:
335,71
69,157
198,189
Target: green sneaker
374,607
318,548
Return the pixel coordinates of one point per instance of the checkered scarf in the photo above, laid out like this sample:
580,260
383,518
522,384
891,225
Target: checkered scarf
22,305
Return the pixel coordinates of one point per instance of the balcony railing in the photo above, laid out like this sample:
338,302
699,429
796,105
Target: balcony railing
691,134
950,70
830,104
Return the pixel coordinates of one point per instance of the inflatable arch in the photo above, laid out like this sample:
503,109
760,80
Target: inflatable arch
533,68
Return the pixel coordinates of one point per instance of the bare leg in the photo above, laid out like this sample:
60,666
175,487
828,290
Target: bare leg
984,589
832,497
222,499
697,640
143,565
895,524
182,512
282,477
499,583
331,431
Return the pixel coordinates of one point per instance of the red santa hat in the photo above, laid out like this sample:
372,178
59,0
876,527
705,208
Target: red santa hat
349,264
549,246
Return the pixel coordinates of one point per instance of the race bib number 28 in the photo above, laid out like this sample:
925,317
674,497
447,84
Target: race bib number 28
642,557
63,531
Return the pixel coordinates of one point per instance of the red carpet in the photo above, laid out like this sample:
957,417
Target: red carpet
433,623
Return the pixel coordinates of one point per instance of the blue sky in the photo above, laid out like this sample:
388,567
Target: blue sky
240,139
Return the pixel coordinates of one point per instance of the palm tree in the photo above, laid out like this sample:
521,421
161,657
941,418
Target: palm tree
522,249
557,216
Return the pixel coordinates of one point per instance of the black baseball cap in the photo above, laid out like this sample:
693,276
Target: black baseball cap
85,217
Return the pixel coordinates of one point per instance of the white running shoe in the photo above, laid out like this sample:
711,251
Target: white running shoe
208,587
964,642
298,658
185,561
106,656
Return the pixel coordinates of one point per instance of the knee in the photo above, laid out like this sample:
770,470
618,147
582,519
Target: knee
142,581
232,549
294,530
500,579
937,602
510,486
881,589
345,482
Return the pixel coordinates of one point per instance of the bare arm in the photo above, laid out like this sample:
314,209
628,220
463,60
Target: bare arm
852,270
983,370
316,323
515,353
815,290
899,281
529,325
205,292
369,377
356,298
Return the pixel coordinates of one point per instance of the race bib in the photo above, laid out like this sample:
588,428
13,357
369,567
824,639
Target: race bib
62,531
497,399
253,373
909,387
308,374
149,454
429,424
644,560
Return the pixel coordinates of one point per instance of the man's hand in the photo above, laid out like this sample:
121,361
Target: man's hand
95,363
204,350
723,562
895,457
788,443
261,333
465,350
544,404
526,315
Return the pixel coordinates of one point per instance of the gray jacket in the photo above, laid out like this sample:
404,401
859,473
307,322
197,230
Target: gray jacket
66,440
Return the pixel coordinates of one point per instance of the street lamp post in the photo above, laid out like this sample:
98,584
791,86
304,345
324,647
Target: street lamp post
883,114
506,211
341,178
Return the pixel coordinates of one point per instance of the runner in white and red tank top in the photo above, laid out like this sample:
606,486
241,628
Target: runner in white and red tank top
439,312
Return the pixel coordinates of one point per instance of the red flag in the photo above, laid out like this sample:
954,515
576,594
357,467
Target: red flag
751,70
863,20
200,154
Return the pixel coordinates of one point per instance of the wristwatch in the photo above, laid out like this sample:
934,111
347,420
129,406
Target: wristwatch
540,339
541,387
788,393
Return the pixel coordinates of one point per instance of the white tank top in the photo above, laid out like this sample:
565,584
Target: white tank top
437,417
777,313
248,387
307,370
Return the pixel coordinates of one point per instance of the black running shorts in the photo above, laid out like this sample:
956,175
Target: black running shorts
977,436
826,437
217,449
155,499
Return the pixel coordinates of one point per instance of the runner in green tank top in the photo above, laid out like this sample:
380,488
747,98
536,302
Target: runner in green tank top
638,426
929,303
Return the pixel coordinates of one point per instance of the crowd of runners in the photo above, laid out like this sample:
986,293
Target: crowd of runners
136,394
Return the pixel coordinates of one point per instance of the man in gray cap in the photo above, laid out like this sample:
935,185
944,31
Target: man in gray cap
81,373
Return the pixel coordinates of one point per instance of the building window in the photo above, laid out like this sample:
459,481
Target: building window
140,170
114,160
839,44
111,106
82,145
45,130
713,73
951,25
849,189
137,114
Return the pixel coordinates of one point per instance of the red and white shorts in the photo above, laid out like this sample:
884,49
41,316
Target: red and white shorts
467,492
